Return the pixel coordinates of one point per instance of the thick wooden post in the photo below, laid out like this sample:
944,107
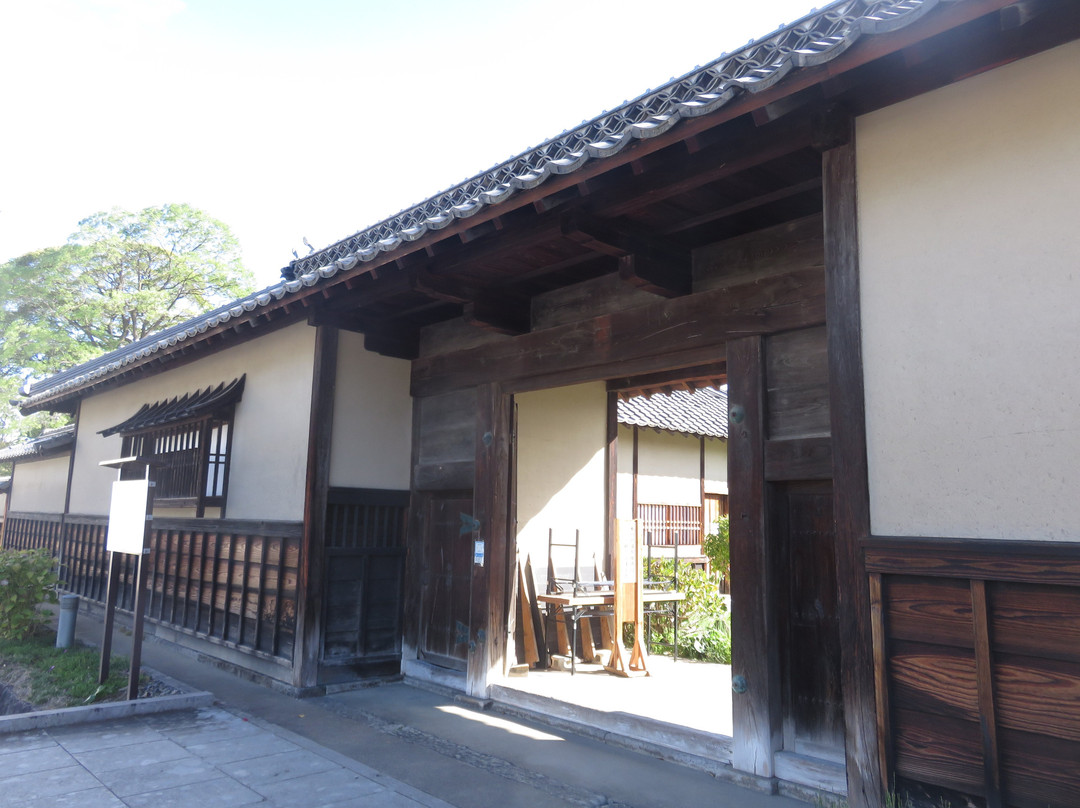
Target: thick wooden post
491,580
754,646
851,496
309,594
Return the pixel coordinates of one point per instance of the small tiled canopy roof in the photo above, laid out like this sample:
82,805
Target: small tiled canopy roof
701,412
48,442
185,408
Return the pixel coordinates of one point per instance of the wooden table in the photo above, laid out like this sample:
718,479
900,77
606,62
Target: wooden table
577,605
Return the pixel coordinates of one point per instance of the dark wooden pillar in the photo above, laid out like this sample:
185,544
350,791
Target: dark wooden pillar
755,650
611,487
490,590
310,587
851,498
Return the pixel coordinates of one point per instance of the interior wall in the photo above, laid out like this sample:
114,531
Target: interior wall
270,430
372,430
39,486
561,440
969,273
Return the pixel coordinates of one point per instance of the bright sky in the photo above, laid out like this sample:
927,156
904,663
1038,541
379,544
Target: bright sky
289,119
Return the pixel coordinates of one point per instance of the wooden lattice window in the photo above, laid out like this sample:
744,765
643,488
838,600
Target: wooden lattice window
190,438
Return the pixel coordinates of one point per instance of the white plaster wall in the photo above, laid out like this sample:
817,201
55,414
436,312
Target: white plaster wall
270,432
562,434
39,486
970,276
669,466
372,419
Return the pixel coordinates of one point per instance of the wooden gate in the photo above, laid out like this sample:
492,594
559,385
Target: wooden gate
365,563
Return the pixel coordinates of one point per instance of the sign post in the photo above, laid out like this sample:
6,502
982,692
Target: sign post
130,516
629,604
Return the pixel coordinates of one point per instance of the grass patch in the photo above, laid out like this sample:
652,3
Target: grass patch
50,678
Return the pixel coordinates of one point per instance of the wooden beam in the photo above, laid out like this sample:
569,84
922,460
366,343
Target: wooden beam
658,277
310,575
851,497
502,317
1034,562
984,675
397,344
488,589
881,673
611,475
713,373
755,664
683,332
747,204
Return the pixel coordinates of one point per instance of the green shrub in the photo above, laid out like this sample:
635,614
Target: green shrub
60,677
704,616
26,579
717,549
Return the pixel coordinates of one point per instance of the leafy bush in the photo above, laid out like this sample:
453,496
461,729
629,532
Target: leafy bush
26,579
704,616
717,548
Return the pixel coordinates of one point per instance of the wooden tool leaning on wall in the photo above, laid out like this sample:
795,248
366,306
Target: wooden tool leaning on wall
629,605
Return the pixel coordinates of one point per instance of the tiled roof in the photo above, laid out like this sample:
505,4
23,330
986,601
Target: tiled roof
817,38
702,412
49,441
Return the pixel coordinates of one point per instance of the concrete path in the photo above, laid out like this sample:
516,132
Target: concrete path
392,744
205,758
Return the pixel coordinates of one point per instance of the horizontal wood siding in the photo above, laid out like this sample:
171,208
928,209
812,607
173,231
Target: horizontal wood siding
230,581
981,649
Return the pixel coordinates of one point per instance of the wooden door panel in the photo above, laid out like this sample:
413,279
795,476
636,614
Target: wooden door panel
445,580
808,620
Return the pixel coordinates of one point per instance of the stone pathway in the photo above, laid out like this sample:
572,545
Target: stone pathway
206,758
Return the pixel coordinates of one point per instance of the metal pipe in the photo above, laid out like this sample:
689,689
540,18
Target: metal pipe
65,627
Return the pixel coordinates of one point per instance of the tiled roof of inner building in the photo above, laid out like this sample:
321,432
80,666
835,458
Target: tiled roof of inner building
702,412
48,441
817,38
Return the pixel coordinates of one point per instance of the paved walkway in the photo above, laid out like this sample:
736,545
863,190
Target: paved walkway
205,758
387,745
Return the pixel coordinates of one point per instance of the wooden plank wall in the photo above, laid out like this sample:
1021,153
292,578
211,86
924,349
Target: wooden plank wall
446,441
231,581
978,666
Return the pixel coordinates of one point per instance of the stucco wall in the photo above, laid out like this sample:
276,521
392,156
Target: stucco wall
562,434
372,419
269,449
970,274
669,468
39,486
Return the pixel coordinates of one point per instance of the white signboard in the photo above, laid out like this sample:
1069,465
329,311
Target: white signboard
127,517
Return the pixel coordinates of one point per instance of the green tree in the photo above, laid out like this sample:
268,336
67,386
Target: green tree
121,277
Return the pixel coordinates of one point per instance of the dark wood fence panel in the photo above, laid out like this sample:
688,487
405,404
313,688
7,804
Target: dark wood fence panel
978,666
32,531
227,580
